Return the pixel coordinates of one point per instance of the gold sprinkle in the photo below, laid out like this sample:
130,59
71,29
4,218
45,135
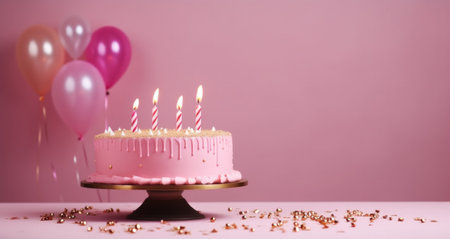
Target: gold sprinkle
177,228
212,219
117,210
244,217
184,232
353,224
89,229
279,210
303,226
111,223
252,229
109,210
163,222
433,220
230,209
83,223
60,221
296,229
213,230
401,219
132,230
422,220
138,226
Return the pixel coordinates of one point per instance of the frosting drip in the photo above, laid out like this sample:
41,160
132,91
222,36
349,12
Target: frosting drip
161,159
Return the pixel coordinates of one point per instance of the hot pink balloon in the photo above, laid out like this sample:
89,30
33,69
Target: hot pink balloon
109,51
75,34
78,94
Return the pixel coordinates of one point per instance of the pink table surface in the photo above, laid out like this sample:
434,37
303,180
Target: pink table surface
32,227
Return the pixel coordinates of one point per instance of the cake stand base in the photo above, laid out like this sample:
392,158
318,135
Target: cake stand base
165,205
164,202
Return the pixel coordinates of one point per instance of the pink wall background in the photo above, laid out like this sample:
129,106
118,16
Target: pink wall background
326,100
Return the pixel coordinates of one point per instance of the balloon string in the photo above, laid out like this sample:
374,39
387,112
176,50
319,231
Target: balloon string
99,196
55,178
38,155
44,118
106,128
84,153
54,175
77,173
106,111
87,165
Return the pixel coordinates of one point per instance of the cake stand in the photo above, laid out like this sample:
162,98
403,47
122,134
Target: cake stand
164,202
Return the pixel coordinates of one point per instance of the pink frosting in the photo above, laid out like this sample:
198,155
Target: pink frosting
164,160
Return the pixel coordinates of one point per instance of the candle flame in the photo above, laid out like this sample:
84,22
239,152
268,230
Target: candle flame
180,103
199,93
155,96
136,104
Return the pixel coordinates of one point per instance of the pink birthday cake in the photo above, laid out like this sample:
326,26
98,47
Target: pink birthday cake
164,157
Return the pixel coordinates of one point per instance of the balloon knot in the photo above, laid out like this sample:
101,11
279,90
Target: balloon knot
41,98
107,93
80,138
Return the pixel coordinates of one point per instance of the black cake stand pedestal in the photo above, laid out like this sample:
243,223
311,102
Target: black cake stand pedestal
164,202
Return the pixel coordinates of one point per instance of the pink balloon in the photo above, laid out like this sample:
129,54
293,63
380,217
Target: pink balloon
78,94
109,51
75,34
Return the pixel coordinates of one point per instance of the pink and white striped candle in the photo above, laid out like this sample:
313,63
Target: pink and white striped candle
198,110
134,118
179,124
155,110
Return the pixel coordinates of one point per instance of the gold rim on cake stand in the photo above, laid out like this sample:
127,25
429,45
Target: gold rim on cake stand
165,202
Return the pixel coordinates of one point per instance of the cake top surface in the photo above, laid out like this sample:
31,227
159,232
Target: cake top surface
147,133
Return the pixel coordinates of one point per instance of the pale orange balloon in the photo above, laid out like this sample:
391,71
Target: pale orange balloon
39,54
